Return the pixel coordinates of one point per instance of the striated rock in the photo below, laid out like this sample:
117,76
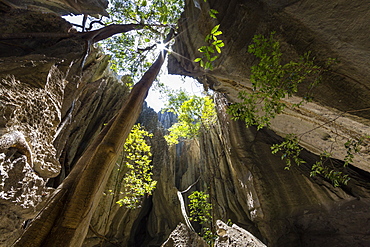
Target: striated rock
248,183
51,108
150,224
167,119
235,236
300,26
252,189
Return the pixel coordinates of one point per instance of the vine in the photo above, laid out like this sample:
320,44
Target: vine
213,47
272,80
324,166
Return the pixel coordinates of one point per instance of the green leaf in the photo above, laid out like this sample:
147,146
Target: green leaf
217,33
214,29
213,58
220,44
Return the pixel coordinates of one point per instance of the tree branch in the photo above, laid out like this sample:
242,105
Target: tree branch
109,31
93,36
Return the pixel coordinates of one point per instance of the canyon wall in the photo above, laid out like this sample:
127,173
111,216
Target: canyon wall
55,100
287,208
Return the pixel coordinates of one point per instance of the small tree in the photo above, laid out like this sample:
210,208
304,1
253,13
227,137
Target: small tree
201,211
138,177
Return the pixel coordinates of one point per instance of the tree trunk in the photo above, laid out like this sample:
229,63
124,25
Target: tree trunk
65,219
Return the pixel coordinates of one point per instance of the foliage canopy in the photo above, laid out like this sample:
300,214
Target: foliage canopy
192,112
133,54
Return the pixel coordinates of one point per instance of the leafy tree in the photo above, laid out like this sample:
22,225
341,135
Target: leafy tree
201,211
138,177
133,54
192,113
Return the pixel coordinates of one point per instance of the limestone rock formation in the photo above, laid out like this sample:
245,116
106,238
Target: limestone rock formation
54,100
183,236
235,236
286,208
51,108
328,30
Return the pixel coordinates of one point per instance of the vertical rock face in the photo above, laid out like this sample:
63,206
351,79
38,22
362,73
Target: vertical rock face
150,224
281,207
299,26
51,108
248,183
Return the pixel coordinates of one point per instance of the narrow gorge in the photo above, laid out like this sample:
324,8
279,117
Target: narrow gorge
59,96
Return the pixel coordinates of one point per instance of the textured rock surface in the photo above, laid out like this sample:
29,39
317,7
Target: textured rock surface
150,224
247,184
327,29
282,208
183,236
51,108
235,236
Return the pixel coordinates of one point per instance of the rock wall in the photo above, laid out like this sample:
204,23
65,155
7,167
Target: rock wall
247,184
282,208
151,223
328,30
52,105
